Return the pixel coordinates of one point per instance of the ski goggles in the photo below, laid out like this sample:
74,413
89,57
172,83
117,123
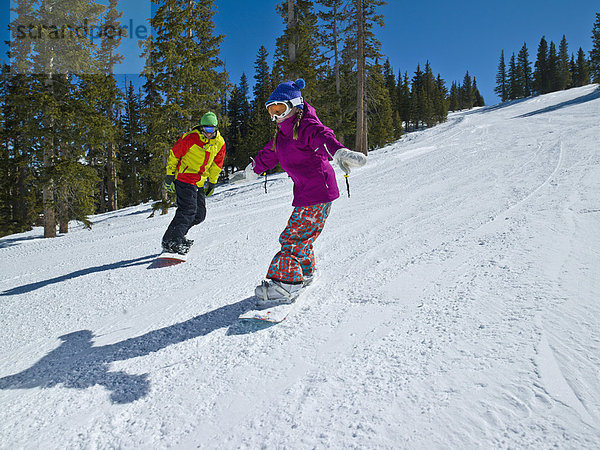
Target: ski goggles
208,129
279,110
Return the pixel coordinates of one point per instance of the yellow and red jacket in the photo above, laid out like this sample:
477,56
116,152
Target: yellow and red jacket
194,158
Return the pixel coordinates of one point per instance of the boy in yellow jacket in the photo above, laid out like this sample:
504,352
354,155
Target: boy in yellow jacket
193,167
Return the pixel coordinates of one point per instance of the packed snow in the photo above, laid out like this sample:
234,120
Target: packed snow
458,306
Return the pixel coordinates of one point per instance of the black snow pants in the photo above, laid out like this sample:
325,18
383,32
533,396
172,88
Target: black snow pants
191,210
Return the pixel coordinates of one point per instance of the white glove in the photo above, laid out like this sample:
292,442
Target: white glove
244,175
346,159
249,172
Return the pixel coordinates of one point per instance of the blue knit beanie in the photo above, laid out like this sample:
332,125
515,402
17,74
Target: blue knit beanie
290,90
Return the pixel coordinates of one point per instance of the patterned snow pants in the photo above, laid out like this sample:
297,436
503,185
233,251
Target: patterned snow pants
296,259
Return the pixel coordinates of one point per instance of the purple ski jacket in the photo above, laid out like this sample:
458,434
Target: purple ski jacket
306,160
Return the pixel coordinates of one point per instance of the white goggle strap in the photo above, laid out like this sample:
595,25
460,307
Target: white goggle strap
297,101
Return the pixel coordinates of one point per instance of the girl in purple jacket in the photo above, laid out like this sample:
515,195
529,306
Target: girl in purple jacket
303,146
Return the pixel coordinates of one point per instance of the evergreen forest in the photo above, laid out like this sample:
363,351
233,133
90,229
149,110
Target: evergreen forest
554,68
76,139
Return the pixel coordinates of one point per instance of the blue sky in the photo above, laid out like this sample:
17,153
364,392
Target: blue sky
454,36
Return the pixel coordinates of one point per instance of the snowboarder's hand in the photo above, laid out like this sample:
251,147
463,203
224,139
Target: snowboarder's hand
169,184
346,159
244,175
209,188
249,172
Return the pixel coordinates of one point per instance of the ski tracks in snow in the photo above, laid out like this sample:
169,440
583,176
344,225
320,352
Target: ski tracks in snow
456,307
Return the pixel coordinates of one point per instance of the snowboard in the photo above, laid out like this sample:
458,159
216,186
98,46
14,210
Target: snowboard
166,259
273,314
278,312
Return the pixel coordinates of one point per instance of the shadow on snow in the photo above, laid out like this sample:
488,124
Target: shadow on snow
13,241
576,101
79,273
77,364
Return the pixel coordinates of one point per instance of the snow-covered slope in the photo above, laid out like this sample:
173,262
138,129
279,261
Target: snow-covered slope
458,306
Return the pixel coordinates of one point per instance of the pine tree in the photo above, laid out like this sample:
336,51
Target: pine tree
564,73
361,120
244,91
154,140
595,52
297,53
430,88
524,69
20,202
390,84
330,35
454,97
501,88
261,126
514,86
233,135
541,79
182,66
417,98
17,198
238,152
101,101
184,61
553,68
57,99
108,58
582,69
379,108
132,155
479,101
363,17
467,95
440,101
348,80
573,71
20,49
404,99
6,177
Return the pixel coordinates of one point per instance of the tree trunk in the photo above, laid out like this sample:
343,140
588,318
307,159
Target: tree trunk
21,209
336,71
111,173
361,126
111,169
102,198
48,160
49,219
165,195
63,211
292,37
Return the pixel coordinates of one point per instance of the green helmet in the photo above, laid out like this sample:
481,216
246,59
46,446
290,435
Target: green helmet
209,119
